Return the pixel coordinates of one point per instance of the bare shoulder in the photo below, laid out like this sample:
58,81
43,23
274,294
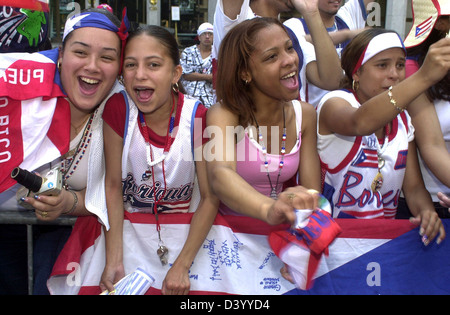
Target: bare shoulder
220,115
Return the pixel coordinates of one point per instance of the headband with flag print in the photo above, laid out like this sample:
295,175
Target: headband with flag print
378,44
99,20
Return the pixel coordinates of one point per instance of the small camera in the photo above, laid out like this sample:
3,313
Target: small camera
50,185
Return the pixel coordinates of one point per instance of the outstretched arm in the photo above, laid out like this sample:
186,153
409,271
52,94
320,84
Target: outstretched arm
326,71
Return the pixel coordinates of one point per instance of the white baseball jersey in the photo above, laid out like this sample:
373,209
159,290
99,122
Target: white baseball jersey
173,178
350,165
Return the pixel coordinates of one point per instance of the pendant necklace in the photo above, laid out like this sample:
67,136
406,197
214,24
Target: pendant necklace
273,189
162,251
377,182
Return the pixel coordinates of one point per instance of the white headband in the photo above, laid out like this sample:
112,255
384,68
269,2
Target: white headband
378,44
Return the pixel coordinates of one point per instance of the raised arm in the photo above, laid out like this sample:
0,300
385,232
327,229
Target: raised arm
326,71
341,118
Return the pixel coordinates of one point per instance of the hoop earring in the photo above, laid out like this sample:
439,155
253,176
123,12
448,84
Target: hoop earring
355,85
58,66
176,88
120,79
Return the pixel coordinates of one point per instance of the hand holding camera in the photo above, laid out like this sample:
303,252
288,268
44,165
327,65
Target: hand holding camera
51,184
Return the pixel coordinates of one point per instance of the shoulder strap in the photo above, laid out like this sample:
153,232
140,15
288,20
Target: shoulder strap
127,116
194,111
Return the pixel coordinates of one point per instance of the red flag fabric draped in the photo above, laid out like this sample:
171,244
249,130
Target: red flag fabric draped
34,116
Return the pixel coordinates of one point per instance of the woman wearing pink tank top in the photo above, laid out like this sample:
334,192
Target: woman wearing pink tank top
274,135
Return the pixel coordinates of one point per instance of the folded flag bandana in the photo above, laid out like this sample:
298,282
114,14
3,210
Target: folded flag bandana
301,247
98,20
23,26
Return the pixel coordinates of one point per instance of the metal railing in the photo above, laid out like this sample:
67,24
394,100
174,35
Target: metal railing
29,219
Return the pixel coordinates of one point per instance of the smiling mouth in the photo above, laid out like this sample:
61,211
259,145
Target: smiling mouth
89,86
144,94
290,75
89,81
290,80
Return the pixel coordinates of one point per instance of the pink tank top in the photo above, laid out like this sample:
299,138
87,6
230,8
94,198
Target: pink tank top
250,162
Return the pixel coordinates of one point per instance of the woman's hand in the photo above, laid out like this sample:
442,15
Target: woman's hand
283,209
430,226
176,281
437,62
111,275
49,208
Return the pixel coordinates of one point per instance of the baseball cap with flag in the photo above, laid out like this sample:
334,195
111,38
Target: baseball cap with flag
23,25
425,15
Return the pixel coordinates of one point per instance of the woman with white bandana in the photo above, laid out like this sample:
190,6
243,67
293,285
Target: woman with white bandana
88,64
366,140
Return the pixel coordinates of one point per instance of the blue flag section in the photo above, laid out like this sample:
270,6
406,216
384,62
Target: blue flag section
402,265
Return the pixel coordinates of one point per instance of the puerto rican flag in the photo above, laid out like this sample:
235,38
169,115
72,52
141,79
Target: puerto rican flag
424,27
366,158
36,5
368,257
34,116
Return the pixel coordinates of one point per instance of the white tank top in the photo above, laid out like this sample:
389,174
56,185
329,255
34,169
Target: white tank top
350,165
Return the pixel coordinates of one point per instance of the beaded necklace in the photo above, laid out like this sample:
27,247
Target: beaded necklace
72,159
273,189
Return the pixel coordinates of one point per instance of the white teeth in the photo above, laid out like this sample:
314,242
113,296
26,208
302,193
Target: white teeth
89,81
290,75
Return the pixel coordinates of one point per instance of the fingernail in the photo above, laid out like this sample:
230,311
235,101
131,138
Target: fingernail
36,197
438,241
422,231
22,199
425,240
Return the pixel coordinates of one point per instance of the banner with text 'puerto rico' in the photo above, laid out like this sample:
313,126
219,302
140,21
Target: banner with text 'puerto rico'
34,116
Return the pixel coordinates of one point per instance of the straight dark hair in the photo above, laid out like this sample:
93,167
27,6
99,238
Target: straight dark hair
166,39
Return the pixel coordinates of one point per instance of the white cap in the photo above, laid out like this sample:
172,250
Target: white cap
205,27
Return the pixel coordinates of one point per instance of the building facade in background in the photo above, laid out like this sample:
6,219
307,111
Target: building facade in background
189,14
